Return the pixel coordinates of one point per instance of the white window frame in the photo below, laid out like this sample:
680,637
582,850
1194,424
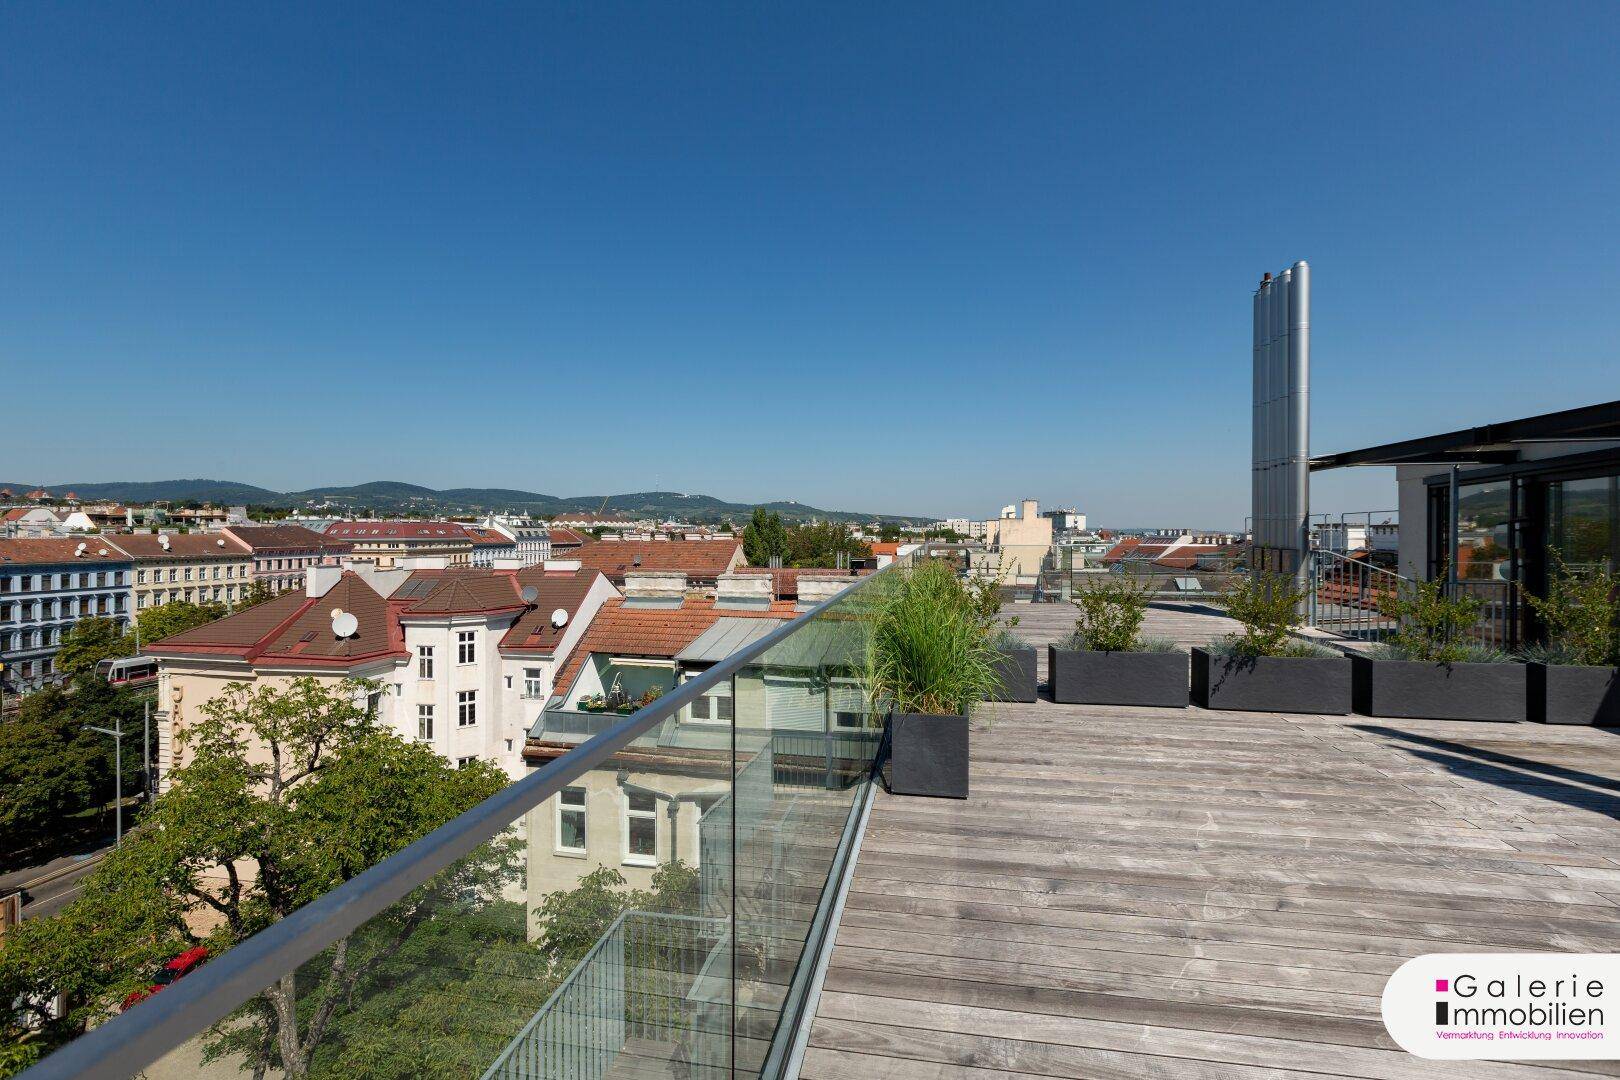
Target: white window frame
711,701
424,712
636,858
424,662
582,809
534,681
466,708
466,647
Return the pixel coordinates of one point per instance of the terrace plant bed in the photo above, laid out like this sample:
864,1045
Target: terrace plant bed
1014,668
1439,690
1091,677
928,756
1431,669
1106,661
1573,694
1298,684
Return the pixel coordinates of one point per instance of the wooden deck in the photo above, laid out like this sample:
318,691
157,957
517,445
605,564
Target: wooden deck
1210,896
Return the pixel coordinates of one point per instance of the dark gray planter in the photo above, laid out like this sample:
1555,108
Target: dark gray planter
1081,677
1419,690
928,755
1573,694
1297,684
1015,668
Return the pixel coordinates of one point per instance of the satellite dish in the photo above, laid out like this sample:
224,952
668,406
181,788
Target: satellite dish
336,612
344,625
221,543
530,594
559,618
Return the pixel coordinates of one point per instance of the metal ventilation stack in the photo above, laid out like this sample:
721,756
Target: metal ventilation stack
1281,494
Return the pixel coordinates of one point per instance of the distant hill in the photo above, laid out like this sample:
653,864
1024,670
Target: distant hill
392,496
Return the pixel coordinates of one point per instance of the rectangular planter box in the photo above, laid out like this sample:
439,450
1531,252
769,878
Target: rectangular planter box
1080,677
1016,670
1298,684
1573,694
928,755
1418,690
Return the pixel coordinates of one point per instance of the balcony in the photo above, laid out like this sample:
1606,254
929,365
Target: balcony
1126,892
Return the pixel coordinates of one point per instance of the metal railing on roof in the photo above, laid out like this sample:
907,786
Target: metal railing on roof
191,1007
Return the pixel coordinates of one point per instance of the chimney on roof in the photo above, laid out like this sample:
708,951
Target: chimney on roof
748,591
654,588
819,588
561,564
319,580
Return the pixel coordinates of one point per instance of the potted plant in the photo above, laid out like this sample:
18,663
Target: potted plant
594,703
1107,661
1015,660
1575,677
1263,668
928,659
1430,670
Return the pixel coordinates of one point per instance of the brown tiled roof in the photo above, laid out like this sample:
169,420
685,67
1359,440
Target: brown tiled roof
565,589
459,592
886,547
702,560
380,531
785,580
181,546
482,537
1125,546
284,538
654,632
58,549
561,537
295,629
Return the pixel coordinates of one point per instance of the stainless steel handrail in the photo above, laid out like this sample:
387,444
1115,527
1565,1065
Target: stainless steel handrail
133,1040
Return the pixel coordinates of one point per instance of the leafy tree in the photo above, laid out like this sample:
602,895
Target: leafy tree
253,593
166,620
300,784
50,770
821,544
1581,614
90,641
764,538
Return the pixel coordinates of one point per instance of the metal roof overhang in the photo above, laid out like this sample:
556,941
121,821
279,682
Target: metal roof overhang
1490,444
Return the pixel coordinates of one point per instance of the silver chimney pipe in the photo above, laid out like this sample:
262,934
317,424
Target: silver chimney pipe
1280,445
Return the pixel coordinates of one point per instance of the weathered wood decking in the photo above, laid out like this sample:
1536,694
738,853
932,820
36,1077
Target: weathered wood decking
1156,893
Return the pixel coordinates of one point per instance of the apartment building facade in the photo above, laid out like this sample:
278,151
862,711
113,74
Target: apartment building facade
47,585
384,543
192,568
282,554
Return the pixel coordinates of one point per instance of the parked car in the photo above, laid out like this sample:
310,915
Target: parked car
177,968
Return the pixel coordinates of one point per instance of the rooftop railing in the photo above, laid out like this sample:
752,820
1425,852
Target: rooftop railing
655,899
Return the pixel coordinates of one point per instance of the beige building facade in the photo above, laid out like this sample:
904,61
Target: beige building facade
193,568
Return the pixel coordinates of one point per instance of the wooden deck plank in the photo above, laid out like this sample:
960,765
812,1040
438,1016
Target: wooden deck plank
1168,893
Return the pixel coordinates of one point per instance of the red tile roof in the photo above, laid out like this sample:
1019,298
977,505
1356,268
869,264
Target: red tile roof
482,537
58,549
561,537
267,538
382,531
886,547
657,633
701,560
1126,545
144,546
458,592
533,633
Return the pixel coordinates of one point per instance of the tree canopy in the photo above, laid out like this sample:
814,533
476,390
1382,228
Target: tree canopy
816,544
90,641
166,620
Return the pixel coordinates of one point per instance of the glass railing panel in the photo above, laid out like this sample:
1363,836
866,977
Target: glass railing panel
591,940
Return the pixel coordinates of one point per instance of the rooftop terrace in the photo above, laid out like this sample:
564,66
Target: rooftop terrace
1160,893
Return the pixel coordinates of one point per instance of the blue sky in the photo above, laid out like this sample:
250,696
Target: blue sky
918,259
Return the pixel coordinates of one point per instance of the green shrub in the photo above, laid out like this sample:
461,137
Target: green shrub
1267,606
1112,608
1581,616
928,650
1433,624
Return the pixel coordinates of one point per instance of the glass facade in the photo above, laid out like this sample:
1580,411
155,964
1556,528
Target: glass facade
1583,522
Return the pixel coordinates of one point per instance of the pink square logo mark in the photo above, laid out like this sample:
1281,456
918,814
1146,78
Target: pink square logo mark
1442,985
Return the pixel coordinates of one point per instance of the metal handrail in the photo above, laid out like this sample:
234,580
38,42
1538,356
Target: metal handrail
131,1041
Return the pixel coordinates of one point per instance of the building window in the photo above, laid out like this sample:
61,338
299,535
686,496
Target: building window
424,661
424,722
140,577
188,573
466,708
571,821
463,762
714,707
533,682
640,829
466,647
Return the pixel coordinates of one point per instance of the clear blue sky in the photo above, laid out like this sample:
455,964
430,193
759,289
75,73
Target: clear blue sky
921,259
